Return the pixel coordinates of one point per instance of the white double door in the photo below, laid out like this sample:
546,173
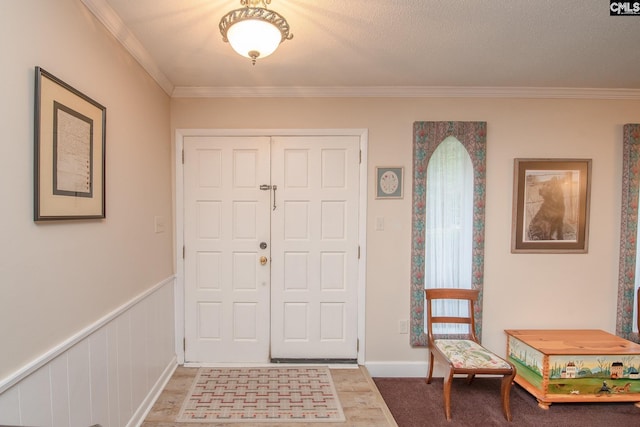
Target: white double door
271,248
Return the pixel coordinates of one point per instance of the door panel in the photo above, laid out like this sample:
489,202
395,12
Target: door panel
226,218
303,303
314,247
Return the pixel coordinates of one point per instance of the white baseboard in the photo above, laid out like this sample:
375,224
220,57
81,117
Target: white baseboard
397,369
145,407
404,369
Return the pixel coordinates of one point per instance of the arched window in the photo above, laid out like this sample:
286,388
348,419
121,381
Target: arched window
448,230
628,274
448,199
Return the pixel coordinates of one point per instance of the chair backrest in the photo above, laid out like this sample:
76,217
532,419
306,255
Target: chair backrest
433,295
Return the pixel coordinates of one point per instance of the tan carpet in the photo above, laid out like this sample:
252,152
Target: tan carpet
299,394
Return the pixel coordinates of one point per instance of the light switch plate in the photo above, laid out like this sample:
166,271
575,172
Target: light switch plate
403,326
159,224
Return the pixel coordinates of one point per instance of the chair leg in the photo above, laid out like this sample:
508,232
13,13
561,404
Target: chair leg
470,378
446,391
505,391
430,374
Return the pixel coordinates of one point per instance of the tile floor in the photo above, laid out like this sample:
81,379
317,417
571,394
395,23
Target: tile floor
361,402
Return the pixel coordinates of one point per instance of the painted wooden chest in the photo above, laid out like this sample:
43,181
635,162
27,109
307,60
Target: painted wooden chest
575,365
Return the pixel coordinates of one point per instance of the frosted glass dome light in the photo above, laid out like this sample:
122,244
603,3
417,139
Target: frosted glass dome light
253,38
254,32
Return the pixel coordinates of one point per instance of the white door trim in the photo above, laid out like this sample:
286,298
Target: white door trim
179,217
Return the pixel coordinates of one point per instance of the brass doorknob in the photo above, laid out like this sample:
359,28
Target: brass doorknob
263,260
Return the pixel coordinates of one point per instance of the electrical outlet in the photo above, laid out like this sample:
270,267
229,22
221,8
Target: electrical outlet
403,326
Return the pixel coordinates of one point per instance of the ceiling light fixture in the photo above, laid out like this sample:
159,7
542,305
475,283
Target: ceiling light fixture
254,31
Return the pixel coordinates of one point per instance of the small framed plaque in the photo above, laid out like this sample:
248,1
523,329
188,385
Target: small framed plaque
389,182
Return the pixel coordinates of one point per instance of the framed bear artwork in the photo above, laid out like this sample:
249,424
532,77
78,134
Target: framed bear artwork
551,205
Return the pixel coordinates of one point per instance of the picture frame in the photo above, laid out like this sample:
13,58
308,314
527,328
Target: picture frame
69,152
551,202
389,182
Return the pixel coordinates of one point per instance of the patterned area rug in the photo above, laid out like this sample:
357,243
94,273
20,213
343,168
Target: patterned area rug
284,394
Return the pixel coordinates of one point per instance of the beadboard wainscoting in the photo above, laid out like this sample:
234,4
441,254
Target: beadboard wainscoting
108,374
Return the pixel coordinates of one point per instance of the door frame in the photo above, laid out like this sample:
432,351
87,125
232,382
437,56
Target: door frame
178,229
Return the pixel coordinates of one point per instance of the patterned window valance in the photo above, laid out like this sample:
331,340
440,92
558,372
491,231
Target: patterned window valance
628,232
426,138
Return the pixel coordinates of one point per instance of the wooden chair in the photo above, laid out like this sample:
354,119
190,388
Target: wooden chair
464,355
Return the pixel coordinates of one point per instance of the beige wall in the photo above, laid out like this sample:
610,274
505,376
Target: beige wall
58,278
521,290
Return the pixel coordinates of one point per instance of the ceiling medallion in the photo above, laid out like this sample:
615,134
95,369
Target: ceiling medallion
254,31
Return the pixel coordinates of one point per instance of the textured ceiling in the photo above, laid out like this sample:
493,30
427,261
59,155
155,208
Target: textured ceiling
389,43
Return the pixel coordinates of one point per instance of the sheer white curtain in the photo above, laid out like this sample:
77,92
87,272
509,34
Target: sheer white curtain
449,225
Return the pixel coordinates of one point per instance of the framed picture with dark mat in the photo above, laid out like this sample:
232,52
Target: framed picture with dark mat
551,206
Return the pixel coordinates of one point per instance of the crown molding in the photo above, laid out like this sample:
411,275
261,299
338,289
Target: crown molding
113,23
110,19
405,92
